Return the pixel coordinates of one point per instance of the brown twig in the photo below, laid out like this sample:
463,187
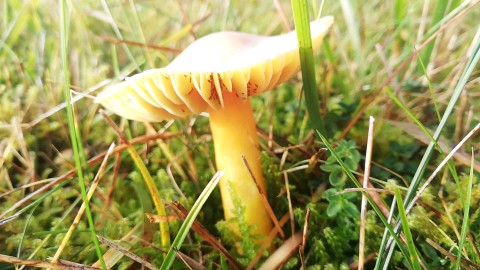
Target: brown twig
267,205
62,264
370,257
290,206
185,18
197,227
140,44
125,252
116,169
375,197
188,261
158,218
301,248
466,264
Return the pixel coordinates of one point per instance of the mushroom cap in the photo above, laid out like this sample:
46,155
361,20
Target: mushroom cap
244,64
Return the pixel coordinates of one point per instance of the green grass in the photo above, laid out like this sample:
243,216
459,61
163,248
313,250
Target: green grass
192,215
413,261
302,26
73,131
375,61
466,211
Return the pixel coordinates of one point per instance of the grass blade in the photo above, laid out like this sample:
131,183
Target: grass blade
450,164
466,211
302,26
157,201
463,7
472,62
152,188
71,124
119,34
430,89
192,215
400,10
19,250
15,27
406,230
353,31
139,32
438,14
80,212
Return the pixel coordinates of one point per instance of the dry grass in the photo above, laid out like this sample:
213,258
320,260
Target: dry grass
374,47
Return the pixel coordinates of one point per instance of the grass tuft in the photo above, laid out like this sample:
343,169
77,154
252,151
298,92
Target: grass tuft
73,132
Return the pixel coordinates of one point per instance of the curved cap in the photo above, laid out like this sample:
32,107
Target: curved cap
236,62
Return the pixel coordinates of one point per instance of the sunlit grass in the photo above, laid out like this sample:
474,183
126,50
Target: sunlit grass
415,63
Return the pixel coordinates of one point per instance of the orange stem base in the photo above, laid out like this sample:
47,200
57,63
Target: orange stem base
234,134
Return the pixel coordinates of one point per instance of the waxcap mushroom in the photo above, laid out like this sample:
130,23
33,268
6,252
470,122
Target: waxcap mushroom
218,73
244,64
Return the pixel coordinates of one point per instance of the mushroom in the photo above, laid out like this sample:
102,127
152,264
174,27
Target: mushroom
218,73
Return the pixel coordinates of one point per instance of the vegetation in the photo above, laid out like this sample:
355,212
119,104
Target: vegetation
412,65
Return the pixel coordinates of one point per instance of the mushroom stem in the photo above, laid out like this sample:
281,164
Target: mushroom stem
234,134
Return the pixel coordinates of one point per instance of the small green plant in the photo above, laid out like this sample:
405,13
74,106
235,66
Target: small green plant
340,205
347,151
345,204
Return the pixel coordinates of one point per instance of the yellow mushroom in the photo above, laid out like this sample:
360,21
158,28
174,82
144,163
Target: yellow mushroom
218,73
